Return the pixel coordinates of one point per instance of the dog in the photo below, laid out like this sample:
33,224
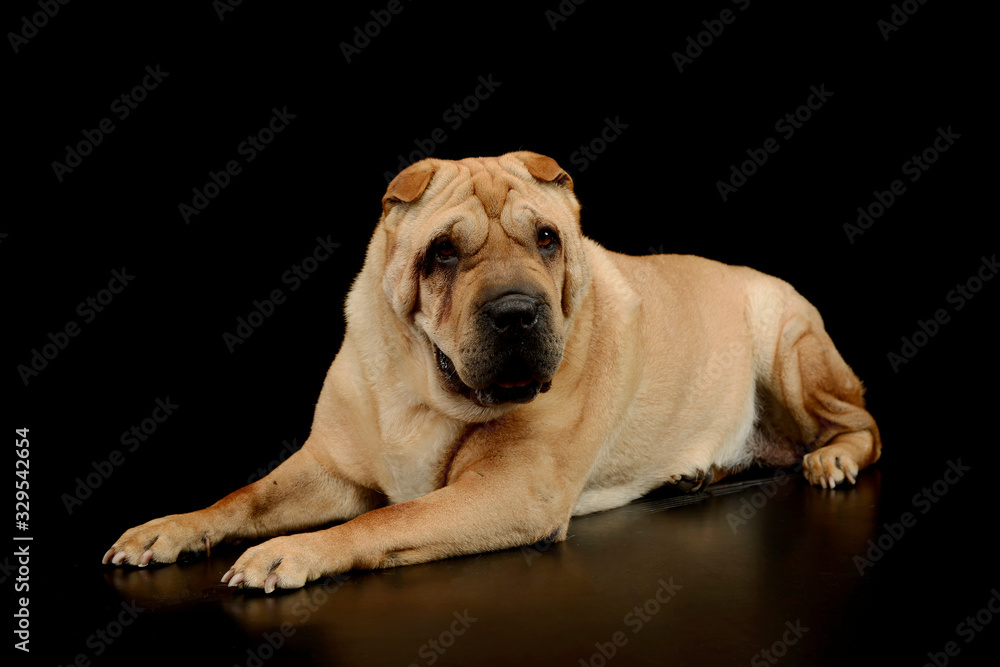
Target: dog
500,373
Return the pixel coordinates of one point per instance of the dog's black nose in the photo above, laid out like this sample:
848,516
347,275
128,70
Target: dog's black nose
512,313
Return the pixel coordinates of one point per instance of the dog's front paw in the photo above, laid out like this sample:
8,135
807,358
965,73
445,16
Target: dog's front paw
282,562
829,466
160,540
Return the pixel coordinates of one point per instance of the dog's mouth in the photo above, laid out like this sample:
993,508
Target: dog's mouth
516,382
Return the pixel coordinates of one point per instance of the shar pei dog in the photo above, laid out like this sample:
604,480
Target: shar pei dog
501,373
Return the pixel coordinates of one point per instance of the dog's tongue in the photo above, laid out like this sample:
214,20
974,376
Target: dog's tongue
514,383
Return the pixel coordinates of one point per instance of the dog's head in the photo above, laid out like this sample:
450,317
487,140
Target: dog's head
485,262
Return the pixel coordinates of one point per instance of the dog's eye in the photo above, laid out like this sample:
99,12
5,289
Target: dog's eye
547,239
445,251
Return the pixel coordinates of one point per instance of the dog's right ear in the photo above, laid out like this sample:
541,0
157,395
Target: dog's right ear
408,185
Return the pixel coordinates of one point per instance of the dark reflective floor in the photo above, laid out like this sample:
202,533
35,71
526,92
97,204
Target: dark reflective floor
759,570
765,565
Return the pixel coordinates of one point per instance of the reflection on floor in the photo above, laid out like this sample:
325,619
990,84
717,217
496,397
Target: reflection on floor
752,569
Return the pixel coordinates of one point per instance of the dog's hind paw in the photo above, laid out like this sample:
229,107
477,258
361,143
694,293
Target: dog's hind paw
829,466
693,483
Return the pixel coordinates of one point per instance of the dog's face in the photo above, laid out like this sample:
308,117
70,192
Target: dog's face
484,260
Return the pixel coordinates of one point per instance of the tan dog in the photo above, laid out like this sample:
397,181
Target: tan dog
501,373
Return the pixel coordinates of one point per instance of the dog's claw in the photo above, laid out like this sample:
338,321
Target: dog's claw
144,559
228,575
237,580
847,471
107,556
118,558
271,583
696,482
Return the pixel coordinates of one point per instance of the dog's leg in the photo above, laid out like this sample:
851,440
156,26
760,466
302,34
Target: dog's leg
824,399
298,494
508,494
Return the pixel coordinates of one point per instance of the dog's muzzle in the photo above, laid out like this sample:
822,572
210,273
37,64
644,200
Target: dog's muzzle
515,356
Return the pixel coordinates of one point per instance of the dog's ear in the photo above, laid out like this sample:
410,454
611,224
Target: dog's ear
408,185
398,280
545,169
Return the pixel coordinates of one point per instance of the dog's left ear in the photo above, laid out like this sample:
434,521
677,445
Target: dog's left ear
545,169
408,185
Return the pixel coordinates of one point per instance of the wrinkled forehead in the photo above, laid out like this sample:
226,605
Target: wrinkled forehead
465,198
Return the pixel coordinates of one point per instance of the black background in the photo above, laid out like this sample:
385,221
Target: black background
652,188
